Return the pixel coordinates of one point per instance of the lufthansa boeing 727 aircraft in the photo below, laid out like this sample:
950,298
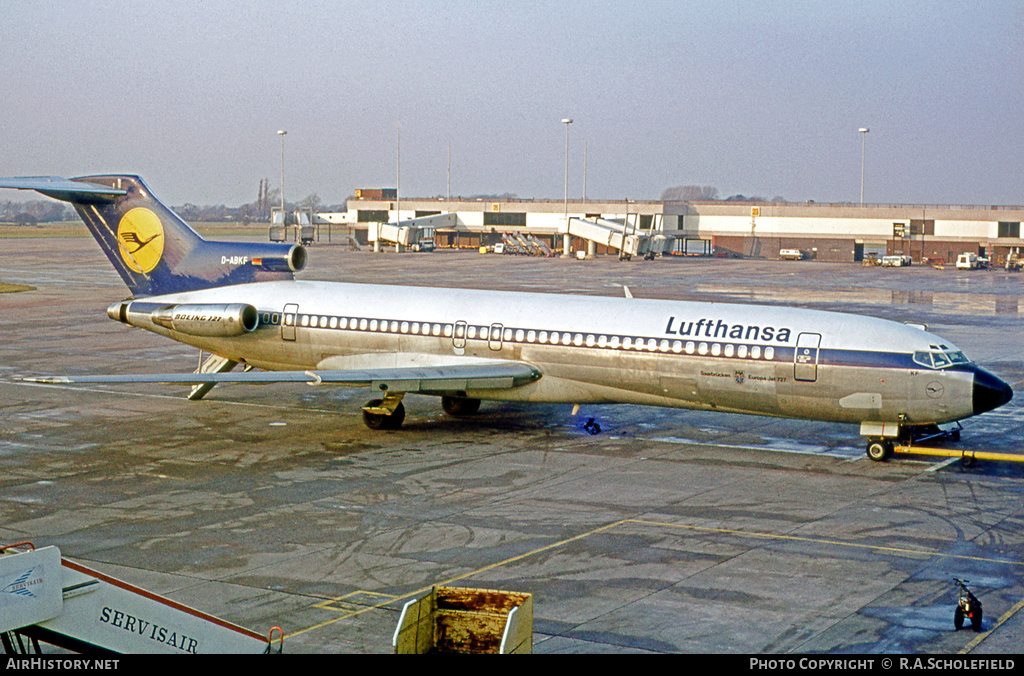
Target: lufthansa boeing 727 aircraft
240,302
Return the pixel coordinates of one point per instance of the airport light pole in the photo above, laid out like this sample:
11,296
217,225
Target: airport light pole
863,135
565,238
281,133
585,143
398,181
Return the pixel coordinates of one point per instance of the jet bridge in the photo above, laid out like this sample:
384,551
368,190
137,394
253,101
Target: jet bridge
47,598
415,233
623,236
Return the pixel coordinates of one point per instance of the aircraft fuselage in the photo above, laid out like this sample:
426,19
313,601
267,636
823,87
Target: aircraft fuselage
761,360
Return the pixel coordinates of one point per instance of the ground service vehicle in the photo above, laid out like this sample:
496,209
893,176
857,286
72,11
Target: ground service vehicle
967,606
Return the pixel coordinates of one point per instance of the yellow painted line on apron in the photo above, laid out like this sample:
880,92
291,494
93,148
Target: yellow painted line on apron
388,599
981,637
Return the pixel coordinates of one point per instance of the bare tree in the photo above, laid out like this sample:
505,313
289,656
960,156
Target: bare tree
690,193
312,201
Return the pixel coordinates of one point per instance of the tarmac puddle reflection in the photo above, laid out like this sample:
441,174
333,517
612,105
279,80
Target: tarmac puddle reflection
774,445
948,302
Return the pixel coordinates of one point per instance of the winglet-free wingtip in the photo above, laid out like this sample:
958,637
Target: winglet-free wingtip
49,380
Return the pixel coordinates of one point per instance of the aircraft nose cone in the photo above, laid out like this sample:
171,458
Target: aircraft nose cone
989,392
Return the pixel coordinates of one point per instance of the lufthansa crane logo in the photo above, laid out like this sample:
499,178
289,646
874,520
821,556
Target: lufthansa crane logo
140,238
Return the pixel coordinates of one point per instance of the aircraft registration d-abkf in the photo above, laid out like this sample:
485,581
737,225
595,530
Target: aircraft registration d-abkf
241,303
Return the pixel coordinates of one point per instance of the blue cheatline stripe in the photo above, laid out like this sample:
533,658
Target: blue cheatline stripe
588,340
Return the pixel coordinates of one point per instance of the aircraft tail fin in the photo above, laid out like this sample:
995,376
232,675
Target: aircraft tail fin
151,247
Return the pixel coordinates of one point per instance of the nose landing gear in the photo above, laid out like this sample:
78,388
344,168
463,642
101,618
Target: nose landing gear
880,450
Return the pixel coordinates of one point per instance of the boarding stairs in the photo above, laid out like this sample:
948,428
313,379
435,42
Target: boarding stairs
45,598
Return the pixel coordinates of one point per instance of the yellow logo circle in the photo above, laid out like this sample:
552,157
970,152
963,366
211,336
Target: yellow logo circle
140,238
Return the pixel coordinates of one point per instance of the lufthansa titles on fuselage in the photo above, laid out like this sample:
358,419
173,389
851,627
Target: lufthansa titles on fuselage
710,328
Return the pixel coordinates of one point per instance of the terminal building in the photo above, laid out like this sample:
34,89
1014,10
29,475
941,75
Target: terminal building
825,232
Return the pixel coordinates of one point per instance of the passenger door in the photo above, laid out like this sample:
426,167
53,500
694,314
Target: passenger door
805,359
289,319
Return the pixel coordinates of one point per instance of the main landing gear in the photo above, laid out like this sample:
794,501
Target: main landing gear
384,414
389,413
460,407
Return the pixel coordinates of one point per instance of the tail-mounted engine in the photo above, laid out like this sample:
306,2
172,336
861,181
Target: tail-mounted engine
194,319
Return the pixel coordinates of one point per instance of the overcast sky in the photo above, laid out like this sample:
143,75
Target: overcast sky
759,98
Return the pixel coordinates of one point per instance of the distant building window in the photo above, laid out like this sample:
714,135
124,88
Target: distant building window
371,216
505,219
922,227
1009,229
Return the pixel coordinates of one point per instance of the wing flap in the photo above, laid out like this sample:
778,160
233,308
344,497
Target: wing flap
497,375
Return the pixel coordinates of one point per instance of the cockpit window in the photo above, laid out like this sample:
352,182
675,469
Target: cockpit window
939,359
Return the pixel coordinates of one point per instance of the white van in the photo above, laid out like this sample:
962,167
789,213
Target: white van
967,261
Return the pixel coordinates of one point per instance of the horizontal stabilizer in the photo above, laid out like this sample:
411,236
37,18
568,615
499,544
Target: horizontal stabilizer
497,375
64,189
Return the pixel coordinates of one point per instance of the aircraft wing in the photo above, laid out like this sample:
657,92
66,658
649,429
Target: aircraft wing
492,375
